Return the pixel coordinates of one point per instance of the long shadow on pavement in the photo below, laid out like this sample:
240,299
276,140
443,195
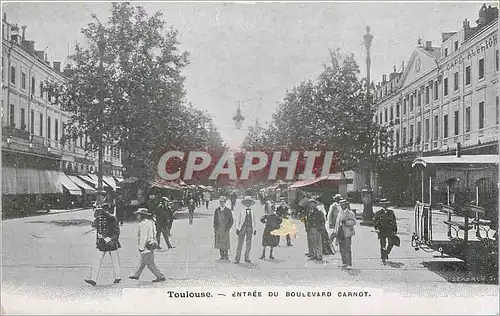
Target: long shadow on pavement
65,223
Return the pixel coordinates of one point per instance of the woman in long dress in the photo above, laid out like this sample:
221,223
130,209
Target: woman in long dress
272,222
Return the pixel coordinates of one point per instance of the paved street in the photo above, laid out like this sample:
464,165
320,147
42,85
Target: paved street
50,256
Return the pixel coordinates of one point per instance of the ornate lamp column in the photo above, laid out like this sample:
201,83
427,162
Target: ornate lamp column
367,193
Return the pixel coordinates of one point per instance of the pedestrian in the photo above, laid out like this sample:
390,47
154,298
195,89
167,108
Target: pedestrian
273,222
333,212
344,228
161,213
170,216
191,208
233,197
146,244
223,221
197,198
325,237
206,198
386,227
107,242
245,228
284,212
316,221
120,209
305,206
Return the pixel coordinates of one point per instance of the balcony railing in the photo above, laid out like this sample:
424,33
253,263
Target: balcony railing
15,132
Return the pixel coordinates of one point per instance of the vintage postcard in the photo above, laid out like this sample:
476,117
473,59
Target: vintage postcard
243,158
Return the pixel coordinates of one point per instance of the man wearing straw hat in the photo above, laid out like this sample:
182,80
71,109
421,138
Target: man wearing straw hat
344,231
333,212
246,225
146,244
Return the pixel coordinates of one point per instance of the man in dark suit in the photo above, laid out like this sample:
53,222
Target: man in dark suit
386,227
316,220
162,213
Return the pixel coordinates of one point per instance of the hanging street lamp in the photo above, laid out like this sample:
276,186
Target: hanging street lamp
238,119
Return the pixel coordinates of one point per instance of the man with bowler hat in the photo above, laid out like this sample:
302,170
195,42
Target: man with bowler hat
386,227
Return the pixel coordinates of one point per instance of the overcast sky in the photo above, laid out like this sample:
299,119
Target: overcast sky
255,52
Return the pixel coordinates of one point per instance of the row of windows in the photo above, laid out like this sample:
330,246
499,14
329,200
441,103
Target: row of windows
456,122
24,82
81,141
415,99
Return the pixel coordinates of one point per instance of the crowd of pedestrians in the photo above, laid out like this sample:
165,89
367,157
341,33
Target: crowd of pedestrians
277,221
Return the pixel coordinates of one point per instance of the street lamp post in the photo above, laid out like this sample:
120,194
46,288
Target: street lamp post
238,119
101,44
367,193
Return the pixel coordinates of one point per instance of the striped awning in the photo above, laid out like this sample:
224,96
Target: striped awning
66,182
82,184
92,178
17,181
110,182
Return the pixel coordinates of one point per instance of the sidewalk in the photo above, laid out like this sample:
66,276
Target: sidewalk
52,212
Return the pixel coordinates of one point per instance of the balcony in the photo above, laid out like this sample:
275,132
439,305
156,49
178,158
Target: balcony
38,140
12,131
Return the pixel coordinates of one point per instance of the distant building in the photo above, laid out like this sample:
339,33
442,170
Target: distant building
37,168
445,95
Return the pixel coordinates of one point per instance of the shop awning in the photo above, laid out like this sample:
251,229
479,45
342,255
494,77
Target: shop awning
82,184
110,182
162,184
465,160
94,179
69,185
333,179
17,181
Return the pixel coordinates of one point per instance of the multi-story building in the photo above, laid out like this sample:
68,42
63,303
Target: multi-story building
37,168
446,95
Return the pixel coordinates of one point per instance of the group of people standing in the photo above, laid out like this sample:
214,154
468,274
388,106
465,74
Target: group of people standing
245,222
339,218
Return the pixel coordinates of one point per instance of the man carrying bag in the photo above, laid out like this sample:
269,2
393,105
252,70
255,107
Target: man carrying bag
386,227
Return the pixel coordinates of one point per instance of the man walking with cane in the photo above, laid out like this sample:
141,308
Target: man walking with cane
386,227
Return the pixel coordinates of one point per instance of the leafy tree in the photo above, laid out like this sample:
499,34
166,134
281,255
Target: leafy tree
330,114
144,110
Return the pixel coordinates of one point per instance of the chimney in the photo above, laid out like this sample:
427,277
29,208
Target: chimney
30,46
57,66
384,78
428,45
40,54
24,32
466,24
395,70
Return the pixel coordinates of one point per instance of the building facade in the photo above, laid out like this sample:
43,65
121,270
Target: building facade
32,128
446,97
